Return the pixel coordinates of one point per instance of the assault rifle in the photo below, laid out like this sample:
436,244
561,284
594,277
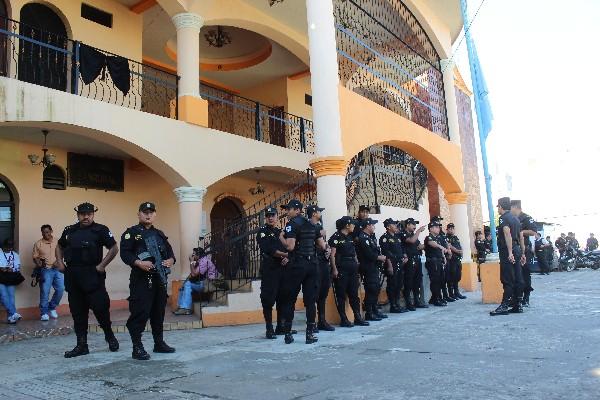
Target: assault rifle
154,255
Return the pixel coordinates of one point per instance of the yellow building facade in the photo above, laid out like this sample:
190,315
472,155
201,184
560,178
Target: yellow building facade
214,109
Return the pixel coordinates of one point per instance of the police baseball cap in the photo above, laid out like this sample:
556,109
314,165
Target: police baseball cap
364,208
293,204
86,208
515,203
270,211
450,225
437,218
147,206
411,221
363,223
344,221
389,222
504,202
434,223
311,209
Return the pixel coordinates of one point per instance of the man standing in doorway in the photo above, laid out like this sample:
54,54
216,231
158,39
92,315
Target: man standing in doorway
44,258
509,248
79,255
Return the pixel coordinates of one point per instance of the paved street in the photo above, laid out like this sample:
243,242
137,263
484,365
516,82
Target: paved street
459,352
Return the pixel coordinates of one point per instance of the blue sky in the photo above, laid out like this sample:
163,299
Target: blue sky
542,67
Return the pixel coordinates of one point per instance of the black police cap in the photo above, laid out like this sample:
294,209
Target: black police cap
147,206
363,223
270,211
437,218
434,223
364,208
504,202
294,203
411,221
86,208
450,225
312,209
515,203
345,221
390,221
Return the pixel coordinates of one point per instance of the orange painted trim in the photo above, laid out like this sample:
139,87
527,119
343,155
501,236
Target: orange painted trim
300,75
232,318
168,68
491,287
33,313
324,166
459,82
142,6
457,198
248,61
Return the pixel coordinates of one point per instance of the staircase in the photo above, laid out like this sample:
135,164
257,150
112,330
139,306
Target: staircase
235,250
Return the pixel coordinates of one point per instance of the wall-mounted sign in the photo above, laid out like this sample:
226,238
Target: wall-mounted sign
92,172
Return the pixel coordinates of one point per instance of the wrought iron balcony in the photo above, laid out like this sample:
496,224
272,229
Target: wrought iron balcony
33,55
235,114
385,55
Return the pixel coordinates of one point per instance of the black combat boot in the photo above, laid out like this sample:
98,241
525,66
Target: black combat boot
288,337
160,346
502,309
280,330
409,304
325,326
517,307
446,298
370,315
270,334
310,334
80,349
113,343
358,319
345,322
457,293
378,313
138,352
525,301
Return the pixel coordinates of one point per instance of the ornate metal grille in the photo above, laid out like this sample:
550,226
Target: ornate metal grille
385,55
384,175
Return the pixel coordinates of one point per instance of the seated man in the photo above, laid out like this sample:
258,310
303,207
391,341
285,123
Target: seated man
201,267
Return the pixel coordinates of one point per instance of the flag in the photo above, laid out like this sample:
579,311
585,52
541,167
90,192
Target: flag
481,93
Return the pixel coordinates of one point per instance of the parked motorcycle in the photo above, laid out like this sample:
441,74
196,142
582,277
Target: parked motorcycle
575,258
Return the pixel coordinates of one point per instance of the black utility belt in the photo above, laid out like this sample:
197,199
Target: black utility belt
306,257
434,259
346,258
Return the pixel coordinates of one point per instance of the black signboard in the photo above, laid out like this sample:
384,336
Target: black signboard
91,172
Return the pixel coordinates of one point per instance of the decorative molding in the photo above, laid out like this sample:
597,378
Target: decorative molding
457,198
333,165
300,75
190,194
187,20
228,64
224,195
142,6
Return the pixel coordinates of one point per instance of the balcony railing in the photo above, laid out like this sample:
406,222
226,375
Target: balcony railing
385,56
33,55
235,114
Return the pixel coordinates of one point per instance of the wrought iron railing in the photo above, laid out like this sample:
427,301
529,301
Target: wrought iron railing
385,55
234,249
384,175
235,114
33,55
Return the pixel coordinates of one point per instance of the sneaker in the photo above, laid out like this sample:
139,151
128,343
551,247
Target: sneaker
44,317
183,311
53,314
17,316
11,320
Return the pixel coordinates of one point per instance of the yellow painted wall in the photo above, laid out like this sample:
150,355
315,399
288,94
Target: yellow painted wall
117,210
124,38
296,89
273,94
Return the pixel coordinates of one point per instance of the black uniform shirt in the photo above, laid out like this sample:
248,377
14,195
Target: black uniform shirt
82,245
268,240
433,252
411,249
343,244
366,248
391,247
539,250
507,219
133,244
454,242
480,247
592,243
292,231
560,243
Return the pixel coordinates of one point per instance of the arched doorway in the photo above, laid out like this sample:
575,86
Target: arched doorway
7,212
230,255
3,39
39,64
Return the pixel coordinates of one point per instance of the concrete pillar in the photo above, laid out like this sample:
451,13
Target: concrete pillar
191,107
450,97
330,165
460,218
190,221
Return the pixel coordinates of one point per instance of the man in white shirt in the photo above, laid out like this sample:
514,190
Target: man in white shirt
9,262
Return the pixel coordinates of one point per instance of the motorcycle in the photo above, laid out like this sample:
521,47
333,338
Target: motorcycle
575,258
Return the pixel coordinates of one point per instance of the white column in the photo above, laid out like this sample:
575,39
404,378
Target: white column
329,188
188,52
460,218
324,78
450,97
190,222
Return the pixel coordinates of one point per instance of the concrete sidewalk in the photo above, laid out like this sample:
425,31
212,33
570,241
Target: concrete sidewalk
458,352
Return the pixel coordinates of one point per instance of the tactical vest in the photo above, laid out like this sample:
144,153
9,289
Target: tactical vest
83,246
305,238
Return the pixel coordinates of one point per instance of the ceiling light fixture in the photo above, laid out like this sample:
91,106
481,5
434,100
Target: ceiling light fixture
47,159
217,37
259,189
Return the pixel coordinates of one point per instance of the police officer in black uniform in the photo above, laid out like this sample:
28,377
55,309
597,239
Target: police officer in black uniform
413,273
541,253
313,212
443,240
391,247
363,214
528,230
344,270
454,263
591,243
435,258
300,238
368,257
273,259
509,248
482,252
148,294
79,255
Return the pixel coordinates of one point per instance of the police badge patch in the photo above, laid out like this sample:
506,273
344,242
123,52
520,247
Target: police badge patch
127,236
288,229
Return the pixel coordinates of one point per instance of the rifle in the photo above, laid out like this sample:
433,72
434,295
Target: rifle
154,255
